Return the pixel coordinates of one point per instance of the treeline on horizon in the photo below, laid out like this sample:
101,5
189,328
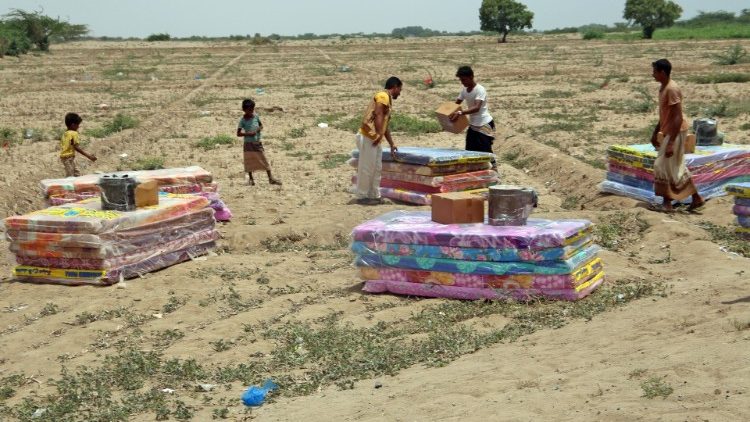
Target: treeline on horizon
701,20
21,31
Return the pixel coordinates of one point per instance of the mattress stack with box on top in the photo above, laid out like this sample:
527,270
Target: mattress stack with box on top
405,252
415,174
188,180
80,243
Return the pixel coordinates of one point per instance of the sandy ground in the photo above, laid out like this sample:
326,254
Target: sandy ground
586,370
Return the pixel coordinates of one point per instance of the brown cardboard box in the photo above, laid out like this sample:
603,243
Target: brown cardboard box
445,110
690,144
457,208
147,194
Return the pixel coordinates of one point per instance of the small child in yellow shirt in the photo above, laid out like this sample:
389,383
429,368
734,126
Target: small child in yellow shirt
69,145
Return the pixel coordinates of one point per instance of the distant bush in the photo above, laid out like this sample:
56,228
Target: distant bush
159,37
593,34
734,55
721,78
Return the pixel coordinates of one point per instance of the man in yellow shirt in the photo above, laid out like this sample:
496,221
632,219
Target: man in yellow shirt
369,139
69,144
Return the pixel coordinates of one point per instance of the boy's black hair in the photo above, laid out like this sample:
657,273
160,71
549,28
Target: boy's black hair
393,82
465,71
71,119
664,65
248,103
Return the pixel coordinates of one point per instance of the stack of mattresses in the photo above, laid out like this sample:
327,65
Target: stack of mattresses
188,180
741,193
417,173
80,243
406,253
630,170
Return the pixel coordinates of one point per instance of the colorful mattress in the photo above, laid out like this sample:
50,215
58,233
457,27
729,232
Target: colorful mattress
164,177
88,217
417,227
472,293
109,276
471,254
739,191
579,276
405,169
434,156
478,267
83,262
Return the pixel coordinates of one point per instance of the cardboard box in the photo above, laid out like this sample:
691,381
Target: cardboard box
445,110
457,208
147,194
689,142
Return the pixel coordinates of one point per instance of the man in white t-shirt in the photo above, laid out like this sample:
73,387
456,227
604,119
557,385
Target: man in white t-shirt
481,132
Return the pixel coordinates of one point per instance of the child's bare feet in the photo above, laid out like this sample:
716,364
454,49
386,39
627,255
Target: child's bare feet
274,182
251,182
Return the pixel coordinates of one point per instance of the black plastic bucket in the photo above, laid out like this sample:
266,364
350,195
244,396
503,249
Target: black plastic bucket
118,192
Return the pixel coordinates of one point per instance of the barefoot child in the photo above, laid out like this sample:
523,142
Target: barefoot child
250,128
69,145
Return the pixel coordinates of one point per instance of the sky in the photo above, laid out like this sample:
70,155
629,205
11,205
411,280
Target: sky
181,18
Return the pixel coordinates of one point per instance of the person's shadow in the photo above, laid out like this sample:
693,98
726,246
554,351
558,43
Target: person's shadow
740,300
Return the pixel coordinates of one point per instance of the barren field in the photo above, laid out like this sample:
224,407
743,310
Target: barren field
665,338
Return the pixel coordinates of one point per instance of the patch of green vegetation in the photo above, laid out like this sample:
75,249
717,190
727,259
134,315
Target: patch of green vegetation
8,136
716,31
593,34
202,100
727,107
174,303
727,238
411,125
49,309
332,161
554,93
298,132
734,55
212,142
615,231
148,163
570,202
164,339
402,123
8,385
119,123
295,242
221,345
329,118
745,126
307,156
514,159
720,78
656,387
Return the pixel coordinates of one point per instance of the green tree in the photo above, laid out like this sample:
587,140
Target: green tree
40,30
652,14
504,16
